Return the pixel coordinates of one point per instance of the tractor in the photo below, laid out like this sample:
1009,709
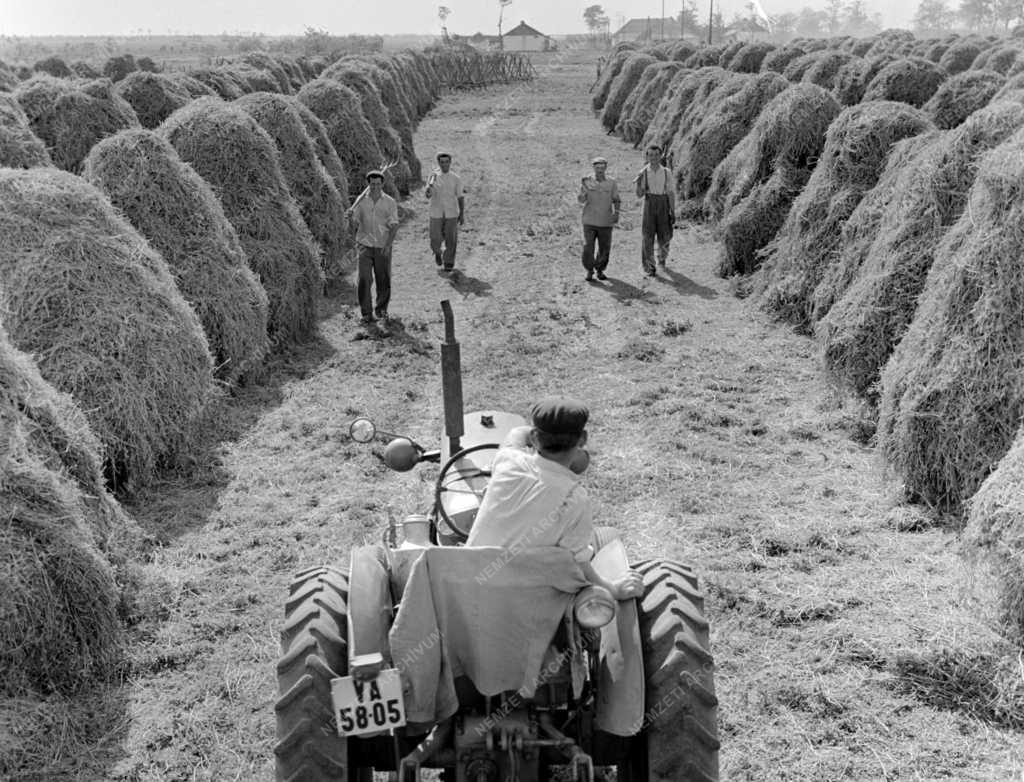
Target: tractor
409,656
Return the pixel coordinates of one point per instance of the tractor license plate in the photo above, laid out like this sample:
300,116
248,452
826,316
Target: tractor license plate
368,706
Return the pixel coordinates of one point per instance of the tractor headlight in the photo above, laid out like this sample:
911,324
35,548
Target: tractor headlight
594,606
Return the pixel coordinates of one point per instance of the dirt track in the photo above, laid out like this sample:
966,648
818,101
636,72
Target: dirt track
713,439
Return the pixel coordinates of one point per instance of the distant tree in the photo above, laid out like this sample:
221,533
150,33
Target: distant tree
811,23
316,41
687,18
976,14
1006,12
858,22
784,26
933,18
443,12
835,11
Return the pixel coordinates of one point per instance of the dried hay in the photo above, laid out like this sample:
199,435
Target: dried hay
146,64
856,146
748,58
960,96
824,67
85,294
711,87
240,161
729,51
251,79
84,70
38,98
321,206
218,80
853,78
8,79
645,100
116,68
680,51
177,212
54,66
192,86
620,89
796,69
911,80
262,61
995,527
953,391
154,96
935,51
720,129
778,59
608,73
341,111
755,186
861,46
19,146
1001,59
413,73
705,57
659,129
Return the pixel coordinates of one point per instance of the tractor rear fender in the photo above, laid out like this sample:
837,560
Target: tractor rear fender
370,610
620,699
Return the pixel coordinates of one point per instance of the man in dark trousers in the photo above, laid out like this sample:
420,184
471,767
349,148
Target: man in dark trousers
654,185
447,211
374,219
599,196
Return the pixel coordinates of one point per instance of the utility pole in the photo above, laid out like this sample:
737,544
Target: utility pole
711,18
663,20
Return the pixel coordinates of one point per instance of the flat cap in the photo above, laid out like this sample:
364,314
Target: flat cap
443,154
374,175
559,415
599,159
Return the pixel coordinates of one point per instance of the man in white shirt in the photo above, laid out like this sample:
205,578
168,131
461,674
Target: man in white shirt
447,211
534,497
374,219
654,184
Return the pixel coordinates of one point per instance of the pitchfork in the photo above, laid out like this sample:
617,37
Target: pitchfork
386,165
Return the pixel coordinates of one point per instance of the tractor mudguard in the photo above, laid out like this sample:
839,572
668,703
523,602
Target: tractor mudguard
370,606
620,704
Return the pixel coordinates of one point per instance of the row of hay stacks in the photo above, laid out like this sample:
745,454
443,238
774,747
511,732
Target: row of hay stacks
874,193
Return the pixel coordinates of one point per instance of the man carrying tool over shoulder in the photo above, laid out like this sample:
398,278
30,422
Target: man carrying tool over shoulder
374,220
535,498
654,185
447,211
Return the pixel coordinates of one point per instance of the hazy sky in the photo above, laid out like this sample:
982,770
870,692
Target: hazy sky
287,17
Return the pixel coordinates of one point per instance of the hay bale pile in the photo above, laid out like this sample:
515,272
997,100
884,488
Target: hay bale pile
960,56
608,73
19,146
240,161
796,68
8,78
175,209
262,61
748,58
953,392
856,147
753,189
38,98
621,88
777,59
88,296
680,51
341,111
710,87
218,80
720,129
911,80
643,103
704,57
84,70
325,150
824,67
666,115
320,204
853,78
1001,59
116,68
962,95
192,86
54,66
996,527
153,96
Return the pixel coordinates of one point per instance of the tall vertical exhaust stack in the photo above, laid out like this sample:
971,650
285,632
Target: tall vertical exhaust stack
451,380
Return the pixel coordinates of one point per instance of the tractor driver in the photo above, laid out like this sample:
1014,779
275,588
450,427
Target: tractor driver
535,498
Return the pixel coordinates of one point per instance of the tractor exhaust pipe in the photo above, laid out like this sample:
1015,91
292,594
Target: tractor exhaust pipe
451,380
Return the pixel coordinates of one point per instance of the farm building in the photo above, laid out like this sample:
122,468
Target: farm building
647,29
523,38
750,29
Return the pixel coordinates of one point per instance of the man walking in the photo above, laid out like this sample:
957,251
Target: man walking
654,185
599,195
374,219
447,211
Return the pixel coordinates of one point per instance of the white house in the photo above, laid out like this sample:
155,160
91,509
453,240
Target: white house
523,38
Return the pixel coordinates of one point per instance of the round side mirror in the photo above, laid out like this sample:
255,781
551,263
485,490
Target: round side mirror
362,430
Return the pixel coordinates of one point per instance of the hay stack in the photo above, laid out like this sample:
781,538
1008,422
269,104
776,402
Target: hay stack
959,56
8,79
729,51
320,204
995,526
240,161
620,89
413,75
19,146
608,73
341,112
116,68
755,186
325,150
796,68
54,66
856,147
705,57
217,80
749,57
175,209
659,129
645,100
711,87
262,61
935,51
916,203
720,129
777,59
911,80
953,392
192,86
154,96
961,95
853,78
84,70
680,51
38,98
825,66
1001,59
81,118
89,297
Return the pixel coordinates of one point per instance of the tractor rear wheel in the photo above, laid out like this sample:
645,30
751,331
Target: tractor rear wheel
314,650
679,737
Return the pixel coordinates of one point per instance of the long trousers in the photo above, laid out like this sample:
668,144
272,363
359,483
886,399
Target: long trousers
374,267
656,224
445,229
602,235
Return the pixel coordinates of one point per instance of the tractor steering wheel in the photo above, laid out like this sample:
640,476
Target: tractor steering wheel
449,476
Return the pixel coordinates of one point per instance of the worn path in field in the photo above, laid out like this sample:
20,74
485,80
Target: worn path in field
713,441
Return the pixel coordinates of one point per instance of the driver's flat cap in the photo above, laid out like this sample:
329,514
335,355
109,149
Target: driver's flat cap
559,415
